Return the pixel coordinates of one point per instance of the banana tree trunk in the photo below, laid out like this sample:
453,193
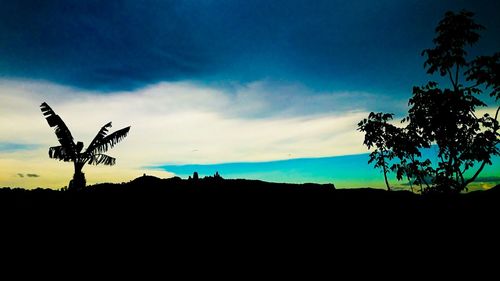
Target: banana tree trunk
78,182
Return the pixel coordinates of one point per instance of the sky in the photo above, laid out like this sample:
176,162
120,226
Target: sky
206,82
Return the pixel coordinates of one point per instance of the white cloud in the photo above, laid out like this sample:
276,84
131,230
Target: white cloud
184,122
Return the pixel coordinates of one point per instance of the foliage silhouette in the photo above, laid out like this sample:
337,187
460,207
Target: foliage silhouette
68,151
445,117
379,134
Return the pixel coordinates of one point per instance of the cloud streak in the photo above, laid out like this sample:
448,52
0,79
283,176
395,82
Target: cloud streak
221,125
182,123
21,175
171,120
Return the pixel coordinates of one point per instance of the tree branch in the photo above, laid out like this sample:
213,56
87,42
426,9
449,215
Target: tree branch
484,162
418,173
473,86
451,79
475,175
460,174
423,179
473,114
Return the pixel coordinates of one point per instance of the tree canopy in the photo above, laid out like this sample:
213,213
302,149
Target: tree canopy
444,115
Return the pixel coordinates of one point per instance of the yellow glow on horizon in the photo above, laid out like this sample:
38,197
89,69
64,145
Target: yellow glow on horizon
56,174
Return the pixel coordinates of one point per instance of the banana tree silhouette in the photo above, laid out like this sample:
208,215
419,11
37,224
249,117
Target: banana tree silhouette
68,151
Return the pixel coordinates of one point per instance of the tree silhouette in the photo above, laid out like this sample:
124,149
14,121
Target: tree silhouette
68,151
381,135
446,117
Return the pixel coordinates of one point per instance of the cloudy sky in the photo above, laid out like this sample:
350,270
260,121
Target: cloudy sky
204,82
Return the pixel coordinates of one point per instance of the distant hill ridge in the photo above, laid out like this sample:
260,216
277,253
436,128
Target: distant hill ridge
214,192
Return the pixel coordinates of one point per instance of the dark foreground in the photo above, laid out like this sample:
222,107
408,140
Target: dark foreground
183,218
226,198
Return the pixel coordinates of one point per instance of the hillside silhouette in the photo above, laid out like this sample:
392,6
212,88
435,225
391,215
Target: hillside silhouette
235,197
185,217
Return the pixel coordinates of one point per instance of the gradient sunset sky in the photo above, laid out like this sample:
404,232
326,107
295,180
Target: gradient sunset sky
211,82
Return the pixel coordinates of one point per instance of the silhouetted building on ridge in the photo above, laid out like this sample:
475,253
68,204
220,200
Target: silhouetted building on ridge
196,176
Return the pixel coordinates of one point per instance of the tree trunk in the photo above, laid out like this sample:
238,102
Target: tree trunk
385,178
78,182
411,184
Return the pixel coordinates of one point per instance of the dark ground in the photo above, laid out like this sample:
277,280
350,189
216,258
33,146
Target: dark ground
217,224
223,198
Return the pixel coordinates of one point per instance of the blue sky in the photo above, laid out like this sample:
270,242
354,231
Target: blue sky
344,171
10,147
324,44
204,81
